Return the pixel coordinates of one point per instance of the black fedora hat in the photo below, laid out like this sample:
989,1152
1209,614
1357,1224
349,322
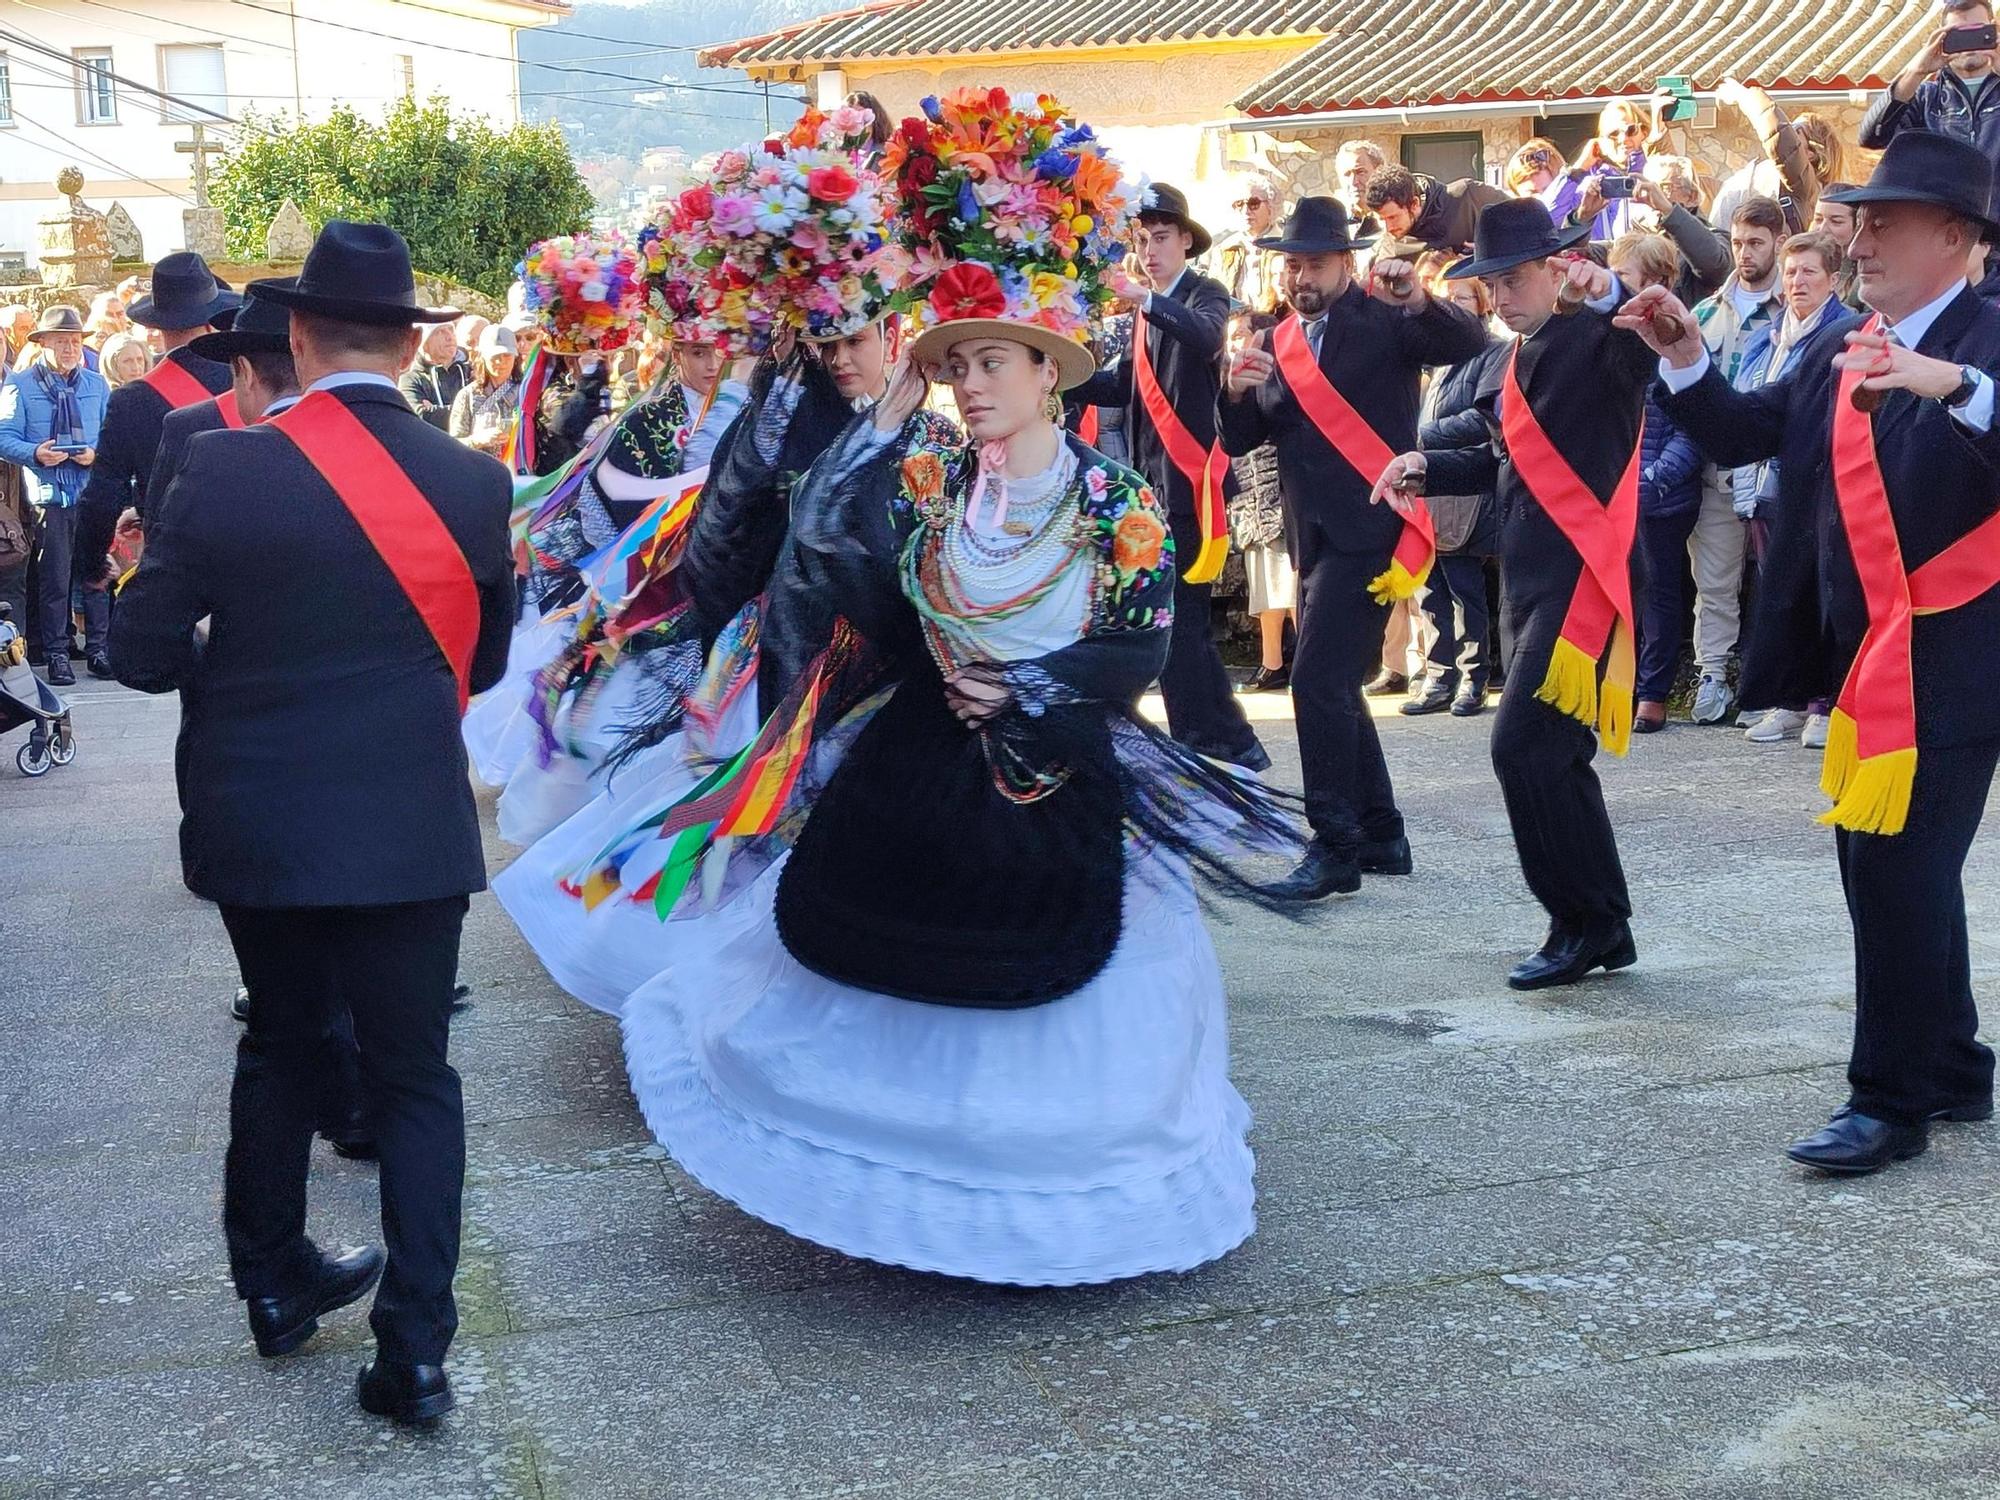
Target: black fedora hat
261,326
1512,233
356,273
1921,167
1159,201
185,294
1317,226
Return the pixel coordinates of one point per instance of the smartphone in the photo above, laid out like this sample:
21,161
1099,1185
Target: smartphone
1616,184
72,449
1971,38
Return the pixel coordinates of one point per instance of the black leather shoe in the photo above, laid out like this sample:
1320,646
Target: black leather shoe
59,672
461,997
1385,857
1853,1145
1958,1114
411,1394
100,666
1435,699
1568,956
1253,760
281,1324
1320,874
1470,701
353,1147
1267,680
1387,684
239,1008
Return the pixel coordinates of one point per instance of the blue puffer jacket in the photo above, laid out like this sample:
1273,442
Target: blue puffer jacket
1669,465
1753,486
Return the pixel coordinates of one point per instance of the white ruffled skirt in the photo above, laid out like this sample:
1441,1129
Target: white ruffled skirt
1089,1139
499,736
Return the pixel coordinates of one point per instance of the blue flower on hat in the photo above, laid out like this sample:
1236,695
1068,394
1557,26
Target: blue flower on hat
929,105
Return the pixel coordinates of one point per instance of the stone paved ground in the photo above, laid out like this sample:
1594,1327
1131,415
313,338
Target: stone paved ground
1509,1247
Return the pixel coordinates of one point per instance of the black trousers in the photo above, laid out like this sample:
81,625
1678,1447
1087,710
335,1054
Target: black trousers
1202,711
1555,806
1915,1048
56,574
1453,599
392,968
1348,796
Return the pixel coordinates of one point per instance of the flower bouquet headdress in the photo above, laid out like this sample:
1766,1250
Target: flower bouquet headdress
587,292
791,232
1011,213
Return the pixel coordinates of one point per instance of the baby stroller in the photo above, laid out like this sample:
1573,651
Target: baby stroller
26,699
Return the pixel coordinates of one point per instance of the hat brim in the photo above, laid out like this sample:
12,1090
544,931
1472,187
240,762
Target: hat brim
1471,266
1201,238
1283,246
144,311
1074,363
351,309
48,333
223,347
1886,194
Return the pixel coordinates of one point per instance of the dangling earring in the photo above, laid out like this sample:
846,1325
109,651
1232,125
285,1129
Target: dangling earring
1052,408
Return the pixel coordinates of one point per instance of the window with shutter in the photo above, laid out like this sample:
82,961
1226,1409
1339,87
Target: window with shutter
192,77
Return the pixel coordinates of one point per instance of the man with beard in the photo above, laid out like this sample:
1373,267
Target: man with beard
1335,389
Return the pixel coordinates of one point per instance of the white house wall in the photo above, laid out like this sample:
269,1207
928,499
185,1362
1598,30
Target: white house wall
133,161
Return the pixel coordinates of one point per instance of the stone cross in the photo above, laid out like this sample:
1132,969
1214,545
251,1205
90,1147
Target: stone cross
200,148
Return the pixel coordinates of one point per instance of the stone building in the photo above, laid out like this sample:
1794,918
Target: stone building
1183,89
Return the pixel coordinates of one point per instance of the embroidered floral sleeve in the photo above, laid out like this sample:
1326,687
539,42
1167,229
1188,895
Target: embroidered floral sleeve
649,438
1134,587
934,467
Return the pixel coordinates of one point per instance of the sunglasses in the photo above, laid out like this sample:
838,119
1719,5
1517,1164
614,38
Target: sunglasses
1631,130
1250,202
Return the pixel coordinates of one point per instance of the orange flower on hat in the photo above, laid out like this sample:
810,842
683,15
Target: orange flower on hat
1136,544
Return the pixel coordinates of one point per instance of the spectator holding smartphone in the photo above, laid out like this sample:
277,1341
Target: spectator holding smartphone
1670,194
50,414
1946,89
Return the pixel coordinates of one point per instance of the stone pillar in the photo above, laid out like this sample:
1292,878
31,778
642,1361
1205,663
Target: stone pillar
75,244
202,232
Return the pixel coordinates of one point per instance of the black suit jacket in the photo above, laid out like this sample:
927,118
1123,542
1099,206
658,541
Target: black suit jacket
175,430
324,765
125,452
1374,355
1943,479
1585,381
1185,330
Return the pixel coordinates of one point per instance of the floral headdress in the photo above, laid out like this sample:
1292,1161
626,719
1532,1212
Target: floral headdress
791,232
1010,210
584,291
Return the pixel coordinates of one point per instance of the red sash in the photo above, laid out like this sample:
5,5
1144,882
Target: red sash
225,406
398,522
1086,427
175,386
1363,450
1202,471
1600,611
1871,741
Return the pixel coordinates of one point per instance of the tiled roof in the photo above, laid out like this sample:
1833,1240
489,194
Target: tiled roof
1413,52
918,28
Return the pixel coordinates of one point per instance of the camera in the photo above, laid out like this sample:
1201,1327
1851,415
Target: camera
1616,184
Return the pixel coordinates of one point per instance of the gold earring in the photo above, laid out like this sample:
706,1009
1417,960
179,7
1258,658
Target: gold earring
1052,408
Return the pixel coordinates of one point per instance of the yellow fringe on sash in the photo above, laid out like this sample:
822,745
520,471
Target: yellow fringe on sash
1398,583
1207,564
1571,684
1869,796
1614,698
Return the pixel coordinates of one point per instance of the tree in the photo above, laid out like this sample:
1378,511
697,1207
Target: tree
467,197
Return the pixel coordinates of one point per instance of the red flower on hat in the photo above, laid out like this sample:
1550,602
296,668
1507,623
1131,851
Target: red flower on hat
697,202
967,290
831,184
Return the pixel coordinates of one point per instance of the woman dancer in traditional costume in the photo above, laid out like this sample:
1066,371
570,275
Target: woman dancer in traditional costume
964,1016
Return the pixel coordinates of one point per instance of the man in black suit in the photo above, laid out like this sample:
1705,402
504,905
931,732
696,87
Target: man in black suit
328,810
186,301
1562,463
1889,459
1369,352
1184,316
